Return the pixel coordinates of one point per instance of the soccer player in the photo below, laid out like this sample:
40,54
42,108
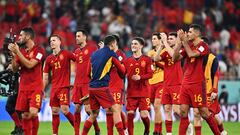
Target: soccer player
156,84
28,61
82,79
138,71
193,84
58,63
116,87
211,76
99,95
172,78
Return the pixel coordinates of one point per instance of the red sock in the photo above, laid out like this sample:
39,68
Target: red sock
130,118
119,127
77,120
220,127
213,125
35,125
184,122
146,122
110,124
96,127
16,119
198,130
27,126
168,124
158,127
70,118
124,120
86,127
55,123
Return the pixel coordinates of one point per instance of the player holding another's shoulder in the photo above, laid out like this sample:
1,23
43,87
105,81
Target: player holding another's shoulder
58,63
116,87
99,95
28,61
193,89
138,72
82,78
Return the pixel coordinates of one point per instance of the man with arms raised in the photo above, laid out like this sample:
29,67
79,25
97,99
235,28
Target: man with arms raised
193,89
28,61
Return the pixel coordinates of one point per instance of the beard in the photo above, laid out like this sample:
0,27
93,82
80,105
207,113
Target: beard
21,43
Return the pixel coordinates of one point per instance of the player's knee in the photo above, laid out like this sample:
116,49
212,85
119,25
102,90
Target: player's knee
183,113
196,114
204,113
78,108
108,110
157,108
87,108
65,110
26,115
144,113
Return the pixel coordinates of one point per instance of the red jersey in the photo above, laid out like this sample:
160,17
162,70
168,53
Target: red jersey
60,67
31,79
143,67
172,70
193,68
116,82
82,56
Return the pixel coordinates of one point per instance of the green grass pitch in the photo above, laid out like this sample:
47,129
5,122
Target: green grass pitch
65,128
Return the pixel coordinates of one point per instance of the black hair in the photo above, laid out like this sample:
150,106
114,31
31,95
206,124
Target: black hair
29,31
109,39
140,40
84,32
196,27
55,35
173,34
157,34
205,39
116,37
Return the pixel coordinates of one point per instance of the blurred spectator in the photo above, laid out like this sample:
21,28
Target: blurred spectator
223,97
129,18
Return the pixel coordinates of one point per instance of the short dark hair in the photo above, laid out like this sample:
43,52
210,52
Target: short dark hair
29,31
140,40
157,34
116,37
109,39
205,39
196,27
55,35
173,34
84,32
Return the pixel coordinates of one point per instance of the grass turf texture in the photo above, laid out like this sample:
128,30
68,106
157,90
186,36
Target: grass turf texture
233,128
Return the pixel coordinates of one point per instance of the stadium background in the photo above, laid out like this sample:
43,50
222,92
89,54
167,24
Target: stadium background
128,18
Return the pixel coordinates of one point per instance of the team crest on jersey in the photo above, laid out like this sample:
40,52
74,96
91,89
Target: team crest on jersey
143,63
61,57
86,52
131,65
